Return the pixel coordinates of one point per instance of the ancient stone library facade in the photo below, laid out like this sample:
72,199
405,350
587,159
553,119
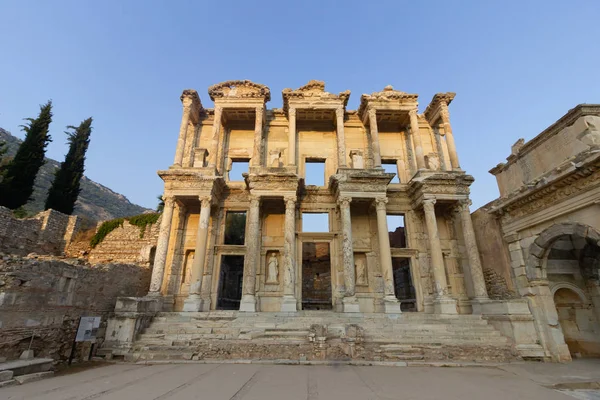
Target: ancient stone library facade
292,209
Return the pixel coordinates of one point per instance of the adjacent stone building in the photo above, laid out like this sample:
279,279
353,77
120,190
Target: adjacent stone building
242,194
541,237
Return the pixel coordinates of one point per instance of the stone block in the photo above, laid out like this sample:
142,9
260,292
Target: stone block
33,377
26,355
6,376
536,250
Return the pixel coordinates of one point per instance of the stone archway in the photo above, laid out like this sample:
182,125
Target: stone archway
565,258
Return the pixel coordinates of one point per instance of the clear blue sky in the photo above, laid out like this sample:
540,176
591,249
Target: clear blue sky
516,66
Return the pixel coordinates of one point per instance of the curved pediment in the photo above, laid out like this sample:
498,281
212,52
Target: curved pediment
388,94
314,91
239,89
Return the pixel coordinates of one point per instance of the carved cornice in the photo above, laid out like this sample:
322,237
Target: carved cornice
532,199
239,89
190,100
442,185
313,91
387,95
440,101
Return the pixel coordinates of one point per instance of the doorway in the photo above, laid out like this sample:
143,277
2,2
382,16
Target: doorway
230,282
316,276
403,285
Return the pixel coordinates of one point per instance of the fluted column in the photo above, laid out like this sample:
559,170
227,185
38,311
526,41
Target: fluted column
248,302
341,139
162,246
445,114
292,136
258,134
414,128
392,305
185,120
289,251
194,302
374,138
479,289
214,144
443,304
350,302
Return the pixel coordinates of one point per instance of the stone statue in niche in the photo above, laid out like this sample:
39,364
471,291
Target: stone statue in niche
433,162
357,159
361,272
273,269
275,158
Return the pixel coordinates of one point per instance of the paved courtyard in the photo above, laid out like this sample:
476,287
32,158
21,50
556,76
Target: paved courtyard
251,381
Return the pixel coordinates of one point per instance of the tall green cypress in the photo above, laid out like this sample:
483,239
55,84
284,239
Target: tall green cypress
19,175
65,187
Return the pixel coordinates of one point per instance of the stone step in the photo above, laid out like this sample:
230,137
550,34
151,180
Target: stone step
36,376
30,366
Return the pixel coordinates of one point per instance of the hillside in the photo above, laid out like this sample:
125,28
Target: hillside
96,202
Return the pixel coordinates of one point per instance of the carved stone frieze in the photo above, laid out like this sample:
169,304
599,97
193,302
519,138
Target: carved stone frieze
239,89
314,91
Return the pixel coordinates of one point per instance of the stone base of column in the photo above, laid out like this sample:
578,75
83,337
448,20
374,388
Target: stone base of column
478,304
350,305
444,305
288,304
193,303
392,305
248,303
206,302
428,305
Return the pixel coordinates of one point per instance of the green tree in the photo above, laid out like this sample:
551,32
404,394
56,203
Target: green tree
19,175
3,150
66,185
161,204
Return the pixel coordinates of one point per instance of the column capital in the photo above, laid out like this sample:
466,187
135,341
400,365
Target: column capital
372,112
444,112
205,201
260,110
429,202
413,112
339,112
292,112
290,199
254,200
169,200
380,203
344,201
218,110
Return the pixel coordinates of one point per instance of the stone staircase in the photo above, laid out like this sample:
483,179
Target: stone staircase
318,336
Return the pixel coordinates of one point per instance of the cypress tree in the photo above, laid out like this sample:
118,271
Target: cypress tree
65,187
19,175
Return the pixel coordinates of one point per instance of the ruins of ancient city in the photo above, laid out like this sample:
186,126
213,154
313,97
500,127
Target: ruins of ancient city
315,232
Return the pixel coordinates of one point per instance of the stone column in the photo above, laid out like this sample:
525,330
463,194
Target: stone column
392,305
350,302
414,128
258,134
341,139
292,137
442,303
194,301
449,137
475,267
185,120
289,255
374,138
214,145
162,246
248,302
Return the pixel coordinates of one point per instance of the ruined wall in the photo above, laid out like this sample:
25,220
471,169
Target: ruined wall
44,296
47,232
124,245
494,255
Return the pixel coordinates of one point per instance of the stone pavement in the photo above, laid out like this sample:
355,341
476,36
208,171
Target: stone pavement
256,381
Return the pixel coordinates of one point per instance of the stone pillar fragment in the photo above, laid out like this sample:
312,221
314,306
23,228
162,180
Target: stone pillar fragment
194,301
392,305
443,304
292,137
185,120
341,139
248,302
289,250
258,137
214,145
162,246
475,267
449,137
416,134
374,138
350,302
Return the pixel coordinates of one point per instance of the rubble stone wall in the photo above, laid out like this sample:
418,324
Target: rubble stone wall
44,297
494,255
48,232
